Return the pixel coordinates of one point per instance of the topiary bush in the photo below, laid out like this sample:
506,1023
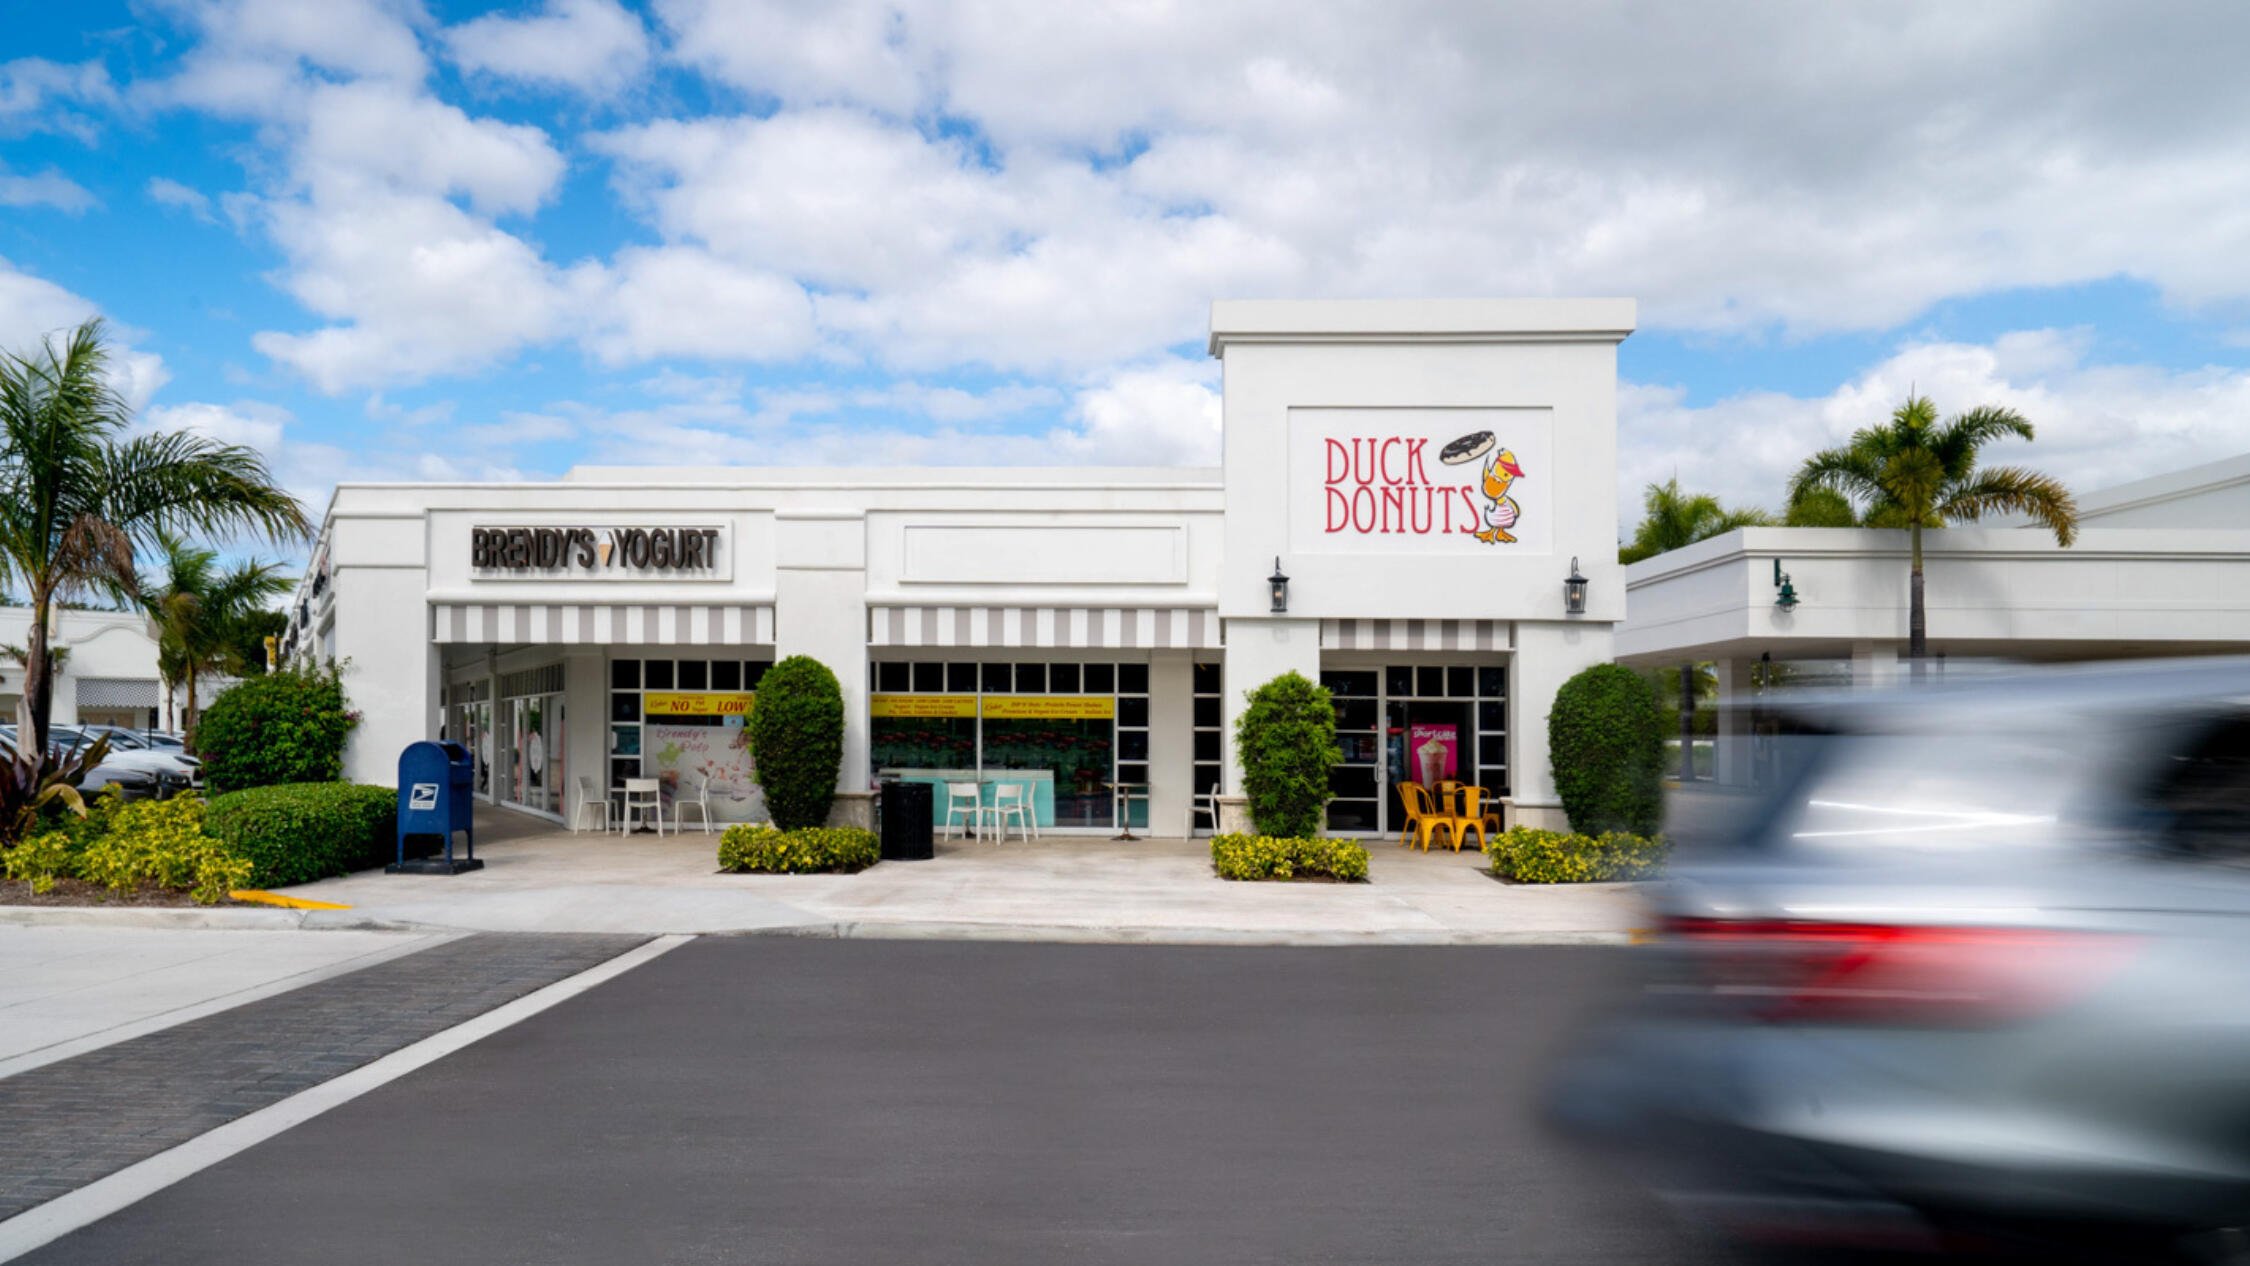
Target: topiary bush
1265,857
1286,741
1529,855
295,833
797,740
1605,742
808,850
283,727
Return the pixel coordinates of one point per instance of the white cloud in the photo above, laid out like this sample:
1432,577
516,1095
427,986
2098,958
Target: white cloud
249,422
2098,424
41,95
658,304
592,46
1165,414
33,308
49,188
167,192
802,50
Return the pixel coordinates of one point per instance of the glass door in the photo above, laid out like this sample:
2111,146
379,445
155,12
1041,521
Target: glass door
536,764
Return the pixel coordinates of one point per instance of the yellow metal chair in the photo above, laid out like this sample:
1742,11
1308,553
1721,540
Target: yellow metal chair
1422,817
1471,815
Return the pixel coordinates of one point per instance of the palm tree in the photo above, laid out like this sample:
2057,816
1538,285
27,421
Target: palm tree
1914,472
197,614
78,490
1672,519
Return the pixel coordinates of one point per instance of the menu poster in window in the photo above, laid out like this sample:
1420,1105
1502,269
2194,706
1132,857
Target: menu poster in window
680,755
1434,752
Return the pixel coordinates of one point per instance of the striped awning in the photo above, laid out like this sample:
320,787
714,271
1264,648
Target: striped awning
1111,628
119,692
1414,635
607,625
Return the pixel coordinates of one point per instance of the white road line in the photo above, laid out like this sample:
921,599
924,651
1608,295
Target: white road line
51,1221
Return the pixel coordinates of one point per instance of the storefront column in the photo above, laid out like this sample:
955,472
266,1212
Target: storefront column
585,726
1171,740
820,610
392,671
1259,650
1547,654
1731,755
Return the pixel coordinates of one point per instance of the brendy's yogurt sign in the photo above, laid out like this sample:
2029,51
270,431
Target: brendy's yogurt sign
1420,481
552,550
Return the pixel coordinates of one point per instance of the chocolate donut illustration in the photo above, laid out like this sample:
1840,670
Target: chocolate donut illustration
1466,449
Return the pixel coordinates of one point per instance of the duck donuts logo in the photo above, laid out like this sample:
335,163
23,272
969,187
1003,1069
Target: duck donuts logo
1384,486
661,549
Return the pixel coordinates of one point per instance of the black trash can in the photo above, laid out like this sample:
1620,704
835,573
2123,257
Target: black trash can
906,821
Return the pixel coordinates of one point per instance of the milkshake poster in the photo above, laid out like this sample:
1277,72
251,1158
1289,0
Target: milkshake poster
680,755
1434,753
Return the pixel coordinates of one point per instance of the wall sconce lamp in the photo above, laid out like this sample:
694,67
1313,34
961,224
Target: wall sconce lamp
1788,598
1574,590
1279,584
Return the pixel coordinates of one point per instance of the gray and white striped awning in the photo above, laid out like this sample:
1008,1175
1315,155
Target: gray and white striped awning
606,625
121,692
1414,635
1109,628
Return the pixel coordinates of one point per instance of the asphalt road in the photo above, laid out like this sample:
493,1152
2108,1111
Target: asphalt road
769,1100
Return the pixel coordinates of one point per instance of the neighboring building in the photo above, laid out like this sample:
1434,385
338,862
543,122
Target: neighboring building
109,677
1426,473
2160,567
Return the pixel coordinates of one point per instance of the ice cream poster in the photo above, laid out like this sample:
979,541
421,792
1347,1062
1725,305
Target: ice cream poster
680,755
1434,752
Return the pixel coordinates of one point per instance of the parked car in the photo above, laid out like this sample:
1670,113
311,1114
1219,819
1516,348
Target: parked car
133,781
1975,975
136,773
155,741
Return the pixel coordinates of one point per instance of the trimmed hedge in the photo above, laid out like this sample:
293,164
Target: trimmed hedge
295,833
767,849
1529,855
280,727
797,740
1271,857
1286,741
1606,746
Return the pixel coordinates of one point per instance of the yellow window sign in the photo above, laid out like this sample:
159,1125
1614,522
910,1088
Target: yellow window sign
1050,707
696,703
922,705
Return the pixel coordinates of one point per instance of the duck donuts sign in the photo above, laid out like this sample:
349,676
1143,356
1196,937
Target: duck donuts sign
1417,481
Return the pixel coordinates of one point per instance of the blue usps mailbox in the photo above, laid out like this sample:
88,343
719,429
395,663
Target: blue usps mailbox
435,799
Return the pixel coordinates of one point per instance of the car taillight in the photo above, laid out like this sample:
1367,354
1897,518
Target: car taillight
1810,972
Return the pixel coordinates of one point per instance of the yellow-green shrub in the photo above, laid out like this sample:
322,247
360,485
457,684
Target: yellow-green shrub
1272,857
1529,855
808,850
42,859
161,842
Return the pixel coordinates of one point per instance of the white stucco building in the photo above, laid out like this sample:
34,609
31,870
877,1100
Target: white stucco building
1425,473
109,676
2160,566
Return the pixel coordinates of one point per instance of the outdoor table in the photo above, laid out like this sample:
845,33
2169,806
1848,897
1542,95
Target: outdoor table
1121,797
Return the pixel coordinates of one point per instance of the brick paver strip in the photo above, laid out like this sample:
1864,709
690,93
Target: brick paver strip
65,1124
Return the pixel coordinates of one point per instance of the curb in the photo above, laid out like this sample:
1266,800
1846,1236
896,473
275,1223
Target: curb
267,919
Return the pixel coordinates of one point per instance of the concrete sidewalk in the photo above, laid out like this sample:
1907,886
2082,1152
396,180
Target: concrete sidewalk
538,878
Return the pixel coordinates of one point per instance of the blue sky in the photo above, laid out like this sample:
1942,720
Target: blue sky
389,239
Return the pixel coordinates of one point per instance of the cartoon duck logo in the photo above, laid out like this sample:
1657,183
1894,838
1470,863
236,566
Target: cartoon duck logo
1500,473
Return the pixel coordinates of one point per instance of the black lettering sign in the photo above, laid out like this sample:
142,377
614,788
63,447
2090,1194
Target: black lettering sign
664,549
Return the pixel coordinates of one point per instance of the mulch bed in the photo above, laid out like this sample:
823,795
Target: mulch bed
77,892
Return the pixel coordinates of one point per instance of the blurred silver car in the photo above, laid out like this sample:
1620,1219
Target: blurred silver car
1974,975
136,775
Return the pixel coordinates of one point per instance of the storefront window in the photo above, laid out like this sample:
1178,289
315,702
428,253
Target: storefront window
683,722
1418,723
1065,733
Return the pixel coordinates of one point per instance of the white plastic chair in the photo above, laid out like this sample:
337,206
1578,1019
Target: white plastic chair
644,797
1008,804
590,797
701,804
1200,802
963,800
